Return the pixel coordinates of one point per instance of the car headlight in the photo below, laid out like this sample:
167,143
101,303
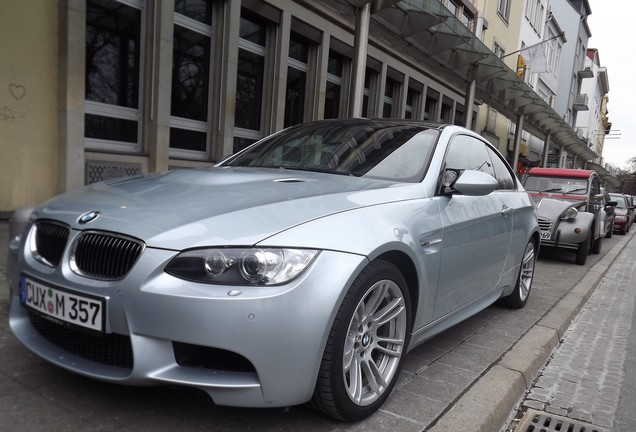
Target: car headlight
240,266
570,213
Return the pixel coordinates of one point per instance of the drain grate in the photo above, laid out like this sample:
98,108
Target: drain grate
538,421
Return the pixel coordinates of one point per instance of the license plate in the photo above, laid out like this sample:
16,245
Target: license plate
80,310
545,235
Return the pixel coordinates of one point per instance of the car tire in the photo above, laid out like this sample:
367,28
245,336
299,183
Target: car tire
597,245
363,357
519,296
583,251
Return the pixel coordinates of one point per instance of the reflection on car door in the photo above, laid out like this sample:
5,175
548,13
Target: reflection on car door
476,232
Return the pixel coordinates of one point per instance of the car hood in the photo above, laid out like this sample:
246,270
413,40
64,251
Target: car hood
216,206
551,208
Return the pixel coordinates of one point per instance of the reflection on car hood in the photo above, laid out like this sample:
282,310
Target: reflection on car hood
216,206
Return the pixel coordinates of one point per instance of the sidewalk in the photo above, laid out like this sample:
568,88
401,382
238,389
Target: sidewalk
582,381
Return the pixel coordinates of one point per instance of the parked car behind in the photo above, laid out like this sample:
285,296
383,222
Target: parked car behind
624,213
631,208
303,268
571,208
610,213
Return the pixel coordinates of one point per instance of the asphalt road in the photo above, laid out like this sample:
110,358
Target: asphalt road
435,392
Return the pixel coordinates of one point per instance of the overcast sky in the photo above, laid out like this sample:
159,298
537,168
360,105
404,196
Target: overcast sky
613,27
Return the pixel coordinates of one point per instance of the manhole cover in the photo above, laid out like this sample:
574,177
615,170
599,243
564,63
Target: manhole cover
538,421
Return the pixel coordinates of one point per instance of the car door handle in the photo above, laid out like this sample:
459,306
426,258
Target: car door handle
429,242
506,210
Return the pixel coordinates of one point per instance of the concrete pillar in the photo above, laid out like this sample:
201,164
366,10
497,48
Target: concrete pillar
360,45
517,143
71,76
159,43
546,151
469,101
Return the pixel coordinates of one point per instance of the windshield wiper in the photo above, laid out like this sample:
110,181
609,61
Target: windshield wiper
577,190
553,190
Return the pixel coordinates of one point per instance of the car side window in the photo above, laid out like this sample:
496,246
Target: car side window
468,153
502,172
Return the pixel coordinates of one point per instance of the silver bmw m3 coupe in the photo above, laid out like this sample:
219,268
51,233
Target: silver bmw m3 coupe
301,269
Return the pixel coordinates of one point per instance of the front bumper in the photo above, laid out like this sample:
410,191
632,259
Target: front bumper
561,234
172,327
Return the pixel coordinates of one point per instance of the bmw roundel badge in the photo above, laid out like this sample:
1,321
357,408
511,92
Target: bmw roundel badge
88,217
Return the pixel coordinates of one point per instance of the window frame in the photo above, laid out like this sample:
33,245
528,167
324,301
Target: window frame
259,50
340,81
121,112
503,9
306,68
192,124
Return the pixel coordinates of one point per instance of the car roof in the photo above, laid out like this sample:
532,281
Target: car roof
561,172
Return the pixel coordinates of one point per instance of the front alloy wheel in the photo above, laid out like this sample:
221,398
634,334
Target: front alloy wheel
519,296
366,346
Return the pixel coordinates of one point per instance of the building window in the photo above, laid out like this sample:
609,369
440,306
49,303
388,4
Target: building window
189,122
498,50
459,115
297,72
534,15
491,121
113,70
452,7
412,99
469,20
553,52
447,111
198,10
335,82
366,93
503,9
430,106
250,80
390,91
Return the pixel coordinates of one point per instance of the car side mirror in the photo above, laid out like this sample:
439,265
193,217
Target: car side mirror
475,183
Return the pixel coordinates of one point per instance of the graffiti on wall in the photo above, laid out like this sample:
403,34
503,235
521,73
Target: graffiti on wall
17,92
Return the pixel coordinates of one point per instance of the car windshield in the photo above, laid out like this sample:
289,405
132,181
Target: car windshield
561,185
385,150
622,203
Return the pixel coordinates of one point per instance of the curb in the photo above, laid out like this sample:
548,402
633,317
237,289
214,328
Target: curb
488,404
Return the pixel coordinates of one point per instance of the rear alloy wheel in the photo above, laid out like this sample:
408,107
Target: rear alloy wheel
519,296
366,346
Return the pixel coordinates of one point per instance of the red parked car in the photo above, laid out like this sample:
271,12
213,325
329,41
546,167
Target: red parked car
624,213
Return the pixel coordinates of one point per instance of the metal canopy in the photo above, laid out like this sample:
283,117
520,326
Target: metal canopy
426,32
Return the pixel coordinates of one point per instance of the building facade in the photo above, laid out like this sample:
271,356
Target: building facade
593,124
96,89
